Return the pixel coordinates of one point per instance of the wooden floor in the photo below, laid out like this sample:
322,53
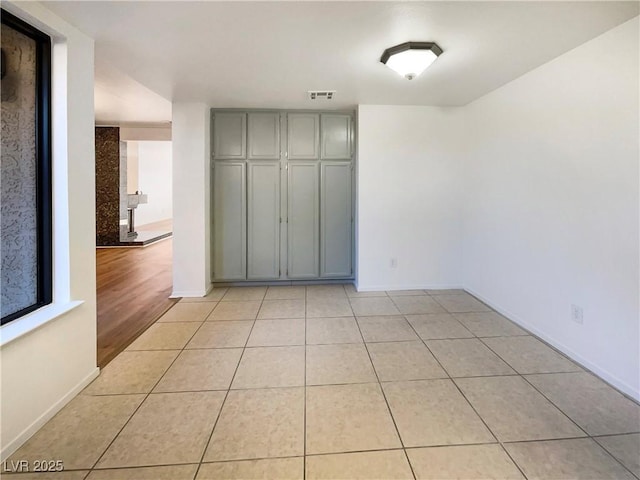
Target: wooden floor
134,285
161,225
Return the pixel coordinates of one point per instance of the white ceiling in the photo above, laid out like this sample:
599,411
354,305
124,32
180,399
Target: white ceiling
121,100
268,54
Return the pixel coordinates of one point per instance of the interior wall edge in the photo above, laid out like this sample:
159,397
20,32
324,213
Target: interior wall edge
190,195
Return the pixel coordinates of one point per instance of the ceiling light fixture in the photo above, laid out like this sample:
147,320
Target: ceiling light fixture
410,59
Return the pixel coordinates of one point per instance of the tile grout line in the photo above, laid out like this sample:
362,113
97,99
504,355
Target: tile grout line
384,396
382,382
221,347
490,430
514,374
224,400
588,435
529,383
473,336
304,425
575,438
529,334
146,396
469,403
512,442
522,376
330,453
564,357
562,354
133,467
379,382
427,347
612,456
614,435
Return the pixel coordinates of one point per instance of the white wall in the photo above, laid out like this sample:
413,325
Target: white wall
408,197
191,200
42,369
158,132
552,204
154,179
132,167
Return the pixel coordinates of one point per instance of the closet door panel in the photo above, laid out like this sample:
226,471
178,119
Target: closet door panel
303,220
264,136
229,221
263,220
336,136
229,135
336,224
303,134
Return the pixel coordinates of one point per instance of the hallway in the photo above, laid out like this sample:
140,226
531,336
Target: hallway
133,288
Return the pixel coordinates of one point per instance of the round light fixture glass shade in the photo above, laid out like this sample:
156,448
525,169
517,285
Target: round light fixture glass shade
411,63
410,59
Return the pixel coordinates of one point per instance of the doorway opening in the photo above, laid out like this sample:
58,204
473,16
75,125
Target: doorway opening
133,237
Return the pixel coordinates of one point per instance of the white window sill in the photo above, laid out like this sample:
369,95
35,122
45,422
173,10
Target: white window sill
34,320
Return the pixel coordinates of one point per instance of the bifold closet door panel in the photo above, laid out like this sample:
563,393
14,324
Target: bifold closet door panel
336,136
303,136
336,219
229,136
303,236
229,221
263,220
263,136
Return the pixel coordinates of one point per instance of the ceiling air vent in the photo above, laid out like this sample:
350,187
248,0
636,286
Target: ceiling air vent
321,94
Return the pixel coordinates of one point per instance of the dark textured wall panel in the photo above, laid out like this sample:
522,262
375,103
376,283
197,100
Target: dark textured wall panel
18,174
107,185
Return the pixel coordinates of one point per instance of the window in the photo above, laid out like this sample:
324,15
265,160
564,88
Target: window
25,169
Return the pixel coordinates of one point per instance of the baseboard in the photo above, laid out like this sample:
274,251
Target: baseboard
379,288
595,369
190,293
28,432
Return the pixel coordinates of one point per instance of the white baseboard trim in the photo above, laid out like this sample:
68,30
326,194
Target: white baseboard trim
379,288
28,432
190,293
592,367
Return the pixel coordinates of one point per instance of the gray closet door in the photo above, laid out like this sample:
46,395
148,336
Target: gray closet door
229,221
264,136
263,220
336,136
303,136
303,220
336,219
229,136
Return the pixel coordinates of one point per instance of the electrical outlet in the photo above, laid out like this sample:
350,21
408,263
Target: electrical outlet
577,314
394,262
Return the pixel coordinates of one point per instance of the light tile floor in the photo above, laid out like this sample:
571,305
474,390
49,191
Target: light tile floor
325,382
